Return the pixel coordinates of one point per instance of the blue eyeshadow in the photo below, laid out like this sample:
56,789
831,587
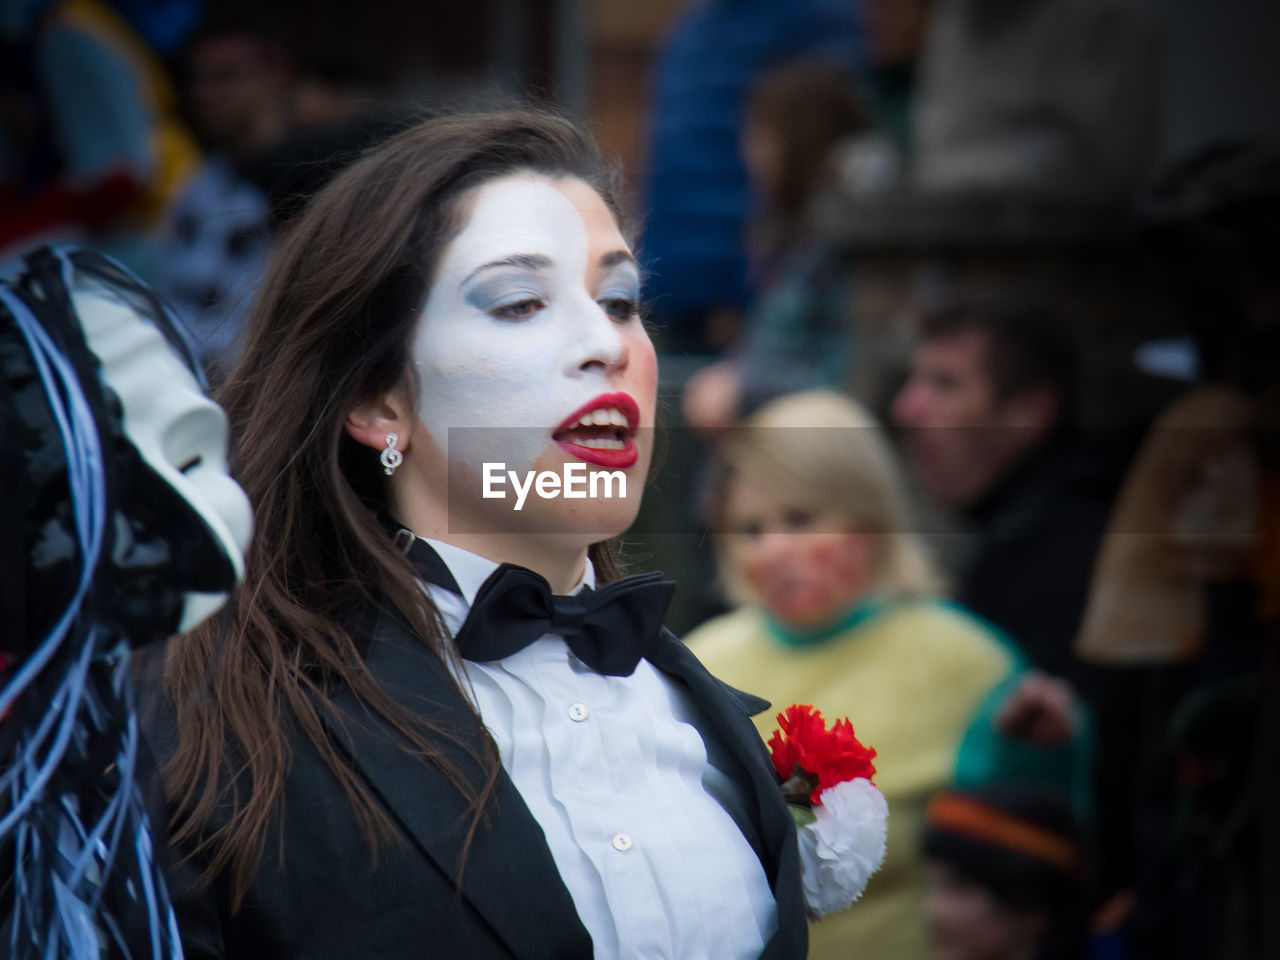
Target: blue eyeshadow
503,290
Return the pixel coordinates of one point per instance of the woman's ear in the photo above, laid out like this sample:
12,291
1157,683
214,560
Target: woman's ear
371,421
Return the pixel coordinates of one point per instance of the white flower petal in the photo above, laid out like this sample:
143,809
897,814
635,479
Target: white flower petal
844,846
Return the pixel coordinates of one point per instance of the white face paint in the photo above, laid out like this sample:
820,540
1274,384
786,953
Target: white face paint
177,430
532,316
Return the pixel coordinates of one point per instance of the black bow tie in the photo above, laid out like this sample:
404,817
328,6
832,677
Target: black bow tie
609,629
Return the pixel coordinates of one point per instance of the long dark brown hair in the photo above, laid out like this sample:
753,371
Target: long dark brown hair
330,328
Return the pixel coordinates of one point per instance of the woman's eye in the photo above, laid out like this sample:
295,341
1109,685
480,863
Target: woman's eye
520,310
620,308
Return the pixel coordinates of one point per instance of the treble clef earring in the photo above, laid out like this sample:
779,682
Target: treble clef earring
391,457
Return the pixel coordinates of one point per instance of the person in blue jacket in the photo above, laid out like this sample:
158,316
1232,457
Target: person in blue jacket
697,193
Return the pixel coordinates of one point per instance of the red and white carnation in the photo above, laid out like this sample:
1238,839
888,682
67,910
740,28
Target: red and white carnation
841,817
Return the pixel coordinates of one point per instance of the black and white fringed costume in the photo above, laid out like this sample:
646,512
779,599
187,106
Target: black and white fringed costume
105,544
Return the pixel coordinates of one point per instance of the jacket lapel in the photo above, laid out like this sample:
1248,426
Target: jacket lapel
509,875
729,712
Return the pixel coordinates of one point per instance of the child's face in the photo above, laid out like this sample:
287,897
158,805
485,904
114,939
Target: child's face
532,324
967,922
805,567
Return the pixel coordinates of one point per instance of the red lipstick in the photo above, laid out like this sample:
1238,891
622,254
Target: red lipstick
604,444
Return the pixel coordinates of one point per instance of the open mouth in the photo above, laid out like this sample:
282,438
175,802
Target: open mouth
602,431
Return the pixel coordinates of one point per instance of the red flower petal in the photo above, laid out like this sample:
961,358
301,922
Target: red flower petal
833,756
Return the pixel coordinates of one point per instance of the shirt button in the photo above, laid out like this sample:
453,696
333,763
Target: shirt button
578,712
622,842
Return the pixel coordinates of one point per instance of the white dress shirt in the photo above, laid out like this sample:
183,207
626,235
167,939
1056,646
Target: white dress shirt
618,777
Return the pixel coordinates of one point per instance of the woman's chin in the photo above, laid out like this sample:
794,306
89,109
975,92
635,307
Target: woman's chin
595,520
584,522
588,500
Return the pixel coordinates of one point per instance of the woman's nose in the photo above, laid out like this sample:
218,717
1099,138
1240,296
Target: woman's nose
598,342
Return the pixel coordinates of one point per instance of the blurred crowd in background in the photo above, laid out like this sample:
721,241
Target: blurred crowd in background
969,313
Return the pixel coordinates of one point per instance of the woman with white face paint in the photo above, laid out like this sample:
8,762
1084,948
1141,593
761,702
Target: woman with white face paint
436,720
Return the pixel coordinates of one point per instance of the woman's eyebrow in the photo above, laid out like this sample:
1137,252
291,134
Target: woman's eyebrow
615,257
530,261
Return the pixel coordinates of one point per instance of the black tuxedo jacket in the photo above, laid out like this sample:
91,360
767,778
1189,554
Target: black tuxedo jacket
328,900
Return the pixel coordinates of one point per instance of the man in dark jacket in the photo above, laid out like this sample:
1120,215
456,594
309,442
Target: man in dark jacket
988,414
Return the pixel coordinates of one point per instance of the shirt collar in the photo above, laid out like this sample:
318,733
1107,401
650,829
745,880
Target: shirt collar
470,570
